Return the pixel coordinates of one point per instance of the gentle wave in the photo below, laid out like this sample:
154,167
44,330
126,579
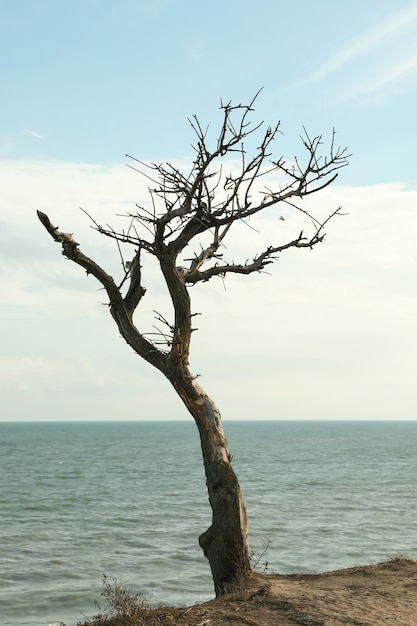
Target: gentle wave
129,500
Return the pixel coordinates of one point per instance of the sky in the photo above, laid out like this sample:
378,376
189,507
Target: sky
325,334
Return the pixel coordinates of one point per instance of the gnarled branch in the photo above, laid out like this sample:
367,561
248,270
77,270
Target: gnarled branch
121,308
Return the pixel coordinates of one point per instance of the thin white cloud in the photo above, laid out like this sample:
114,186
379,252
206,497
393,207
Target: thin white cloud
32,133
373,61
369,41
388,76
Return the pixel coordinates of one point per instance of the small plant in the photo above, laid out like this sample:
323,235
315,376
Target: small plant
126,608
256,557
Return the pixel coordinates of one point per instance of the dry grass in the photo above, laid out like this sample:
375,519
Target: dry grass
122,607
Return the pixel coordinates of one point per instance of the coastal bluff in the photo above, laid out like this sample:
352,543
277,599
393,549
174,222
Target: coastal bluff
371,595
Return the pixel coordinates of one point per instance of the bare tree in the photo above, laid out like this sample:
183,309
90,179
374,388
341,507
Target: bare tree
199,208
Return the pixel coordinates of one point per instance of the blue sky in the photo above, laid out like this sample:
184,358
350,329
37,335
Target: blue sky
330,334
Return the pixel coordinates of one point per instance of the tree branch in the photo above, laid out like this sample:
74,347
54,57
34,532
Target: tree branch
121,309
258,263
136,291
205,200
71,250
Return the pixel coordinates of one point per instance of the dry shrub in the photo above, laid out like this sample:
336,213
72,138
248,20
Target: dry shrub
125,608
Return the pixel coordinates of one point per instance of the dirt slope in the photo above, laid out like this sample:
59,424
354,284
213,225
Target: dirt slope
361,596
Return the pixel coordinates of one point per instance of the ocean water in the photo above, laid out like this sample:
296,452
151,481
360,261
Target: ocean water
128,499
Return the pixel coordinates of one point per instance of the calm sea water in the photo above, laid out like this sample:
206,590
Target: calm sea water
128,500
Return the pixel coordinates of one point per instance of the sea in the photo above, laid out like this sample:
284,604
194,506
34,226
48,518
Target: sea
128,500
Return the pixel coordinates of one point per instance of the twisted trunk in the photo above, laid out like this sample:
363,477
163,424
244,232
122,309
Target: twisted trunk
225,542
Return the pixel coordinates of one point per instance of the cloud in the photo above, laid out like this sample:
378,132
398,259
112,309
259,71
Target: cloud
330,333
33,134
387,76
376,58
369,41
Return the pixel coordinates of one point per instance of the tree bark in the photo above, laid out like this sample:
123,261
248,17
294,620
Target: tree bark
225,542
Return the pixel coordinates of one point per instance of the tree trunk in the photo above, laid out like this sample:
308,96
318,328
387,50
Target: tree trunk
225,543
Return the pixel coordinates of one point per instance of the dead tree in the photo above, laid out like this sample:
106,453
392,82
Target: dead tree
200,207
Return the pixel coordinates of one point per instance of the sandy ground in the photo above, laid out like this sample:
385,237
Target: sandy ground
361,596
